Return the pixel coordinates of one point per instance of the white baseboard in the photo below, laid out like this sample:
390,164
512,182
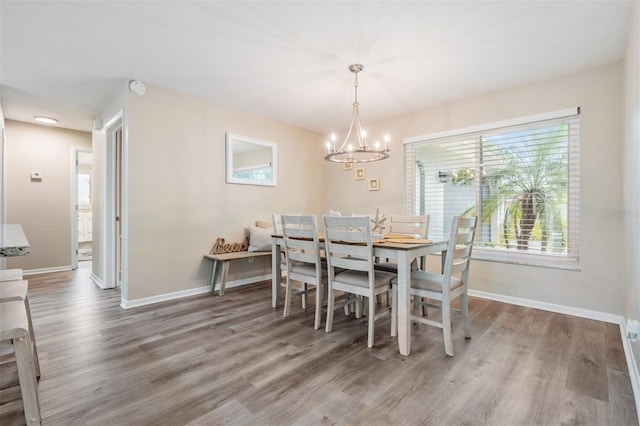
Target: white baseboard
128,304
97,281
245,281
46,270
634,374
552,307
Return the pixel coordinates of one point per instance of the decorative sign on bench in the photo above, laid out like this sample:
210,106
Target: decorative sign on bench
220,247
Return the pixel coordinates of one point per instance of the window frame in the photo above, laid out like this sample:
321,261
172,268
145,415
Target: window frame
570,260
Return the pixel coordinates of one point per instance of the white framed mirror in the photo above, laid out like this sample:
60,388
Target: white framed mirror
251,161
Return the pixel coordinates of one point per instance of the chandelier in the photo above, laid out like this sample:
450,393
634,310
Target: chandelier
356,150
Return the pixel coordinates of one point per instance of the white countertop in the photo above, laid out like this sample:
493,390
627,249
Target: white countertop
13,242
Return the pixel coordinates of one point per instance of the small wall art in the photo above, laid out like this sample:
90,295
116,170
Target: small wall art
359,174
374,184
347,166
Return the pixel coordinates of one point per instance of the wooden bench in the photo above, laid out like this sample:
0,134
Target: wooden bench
225,259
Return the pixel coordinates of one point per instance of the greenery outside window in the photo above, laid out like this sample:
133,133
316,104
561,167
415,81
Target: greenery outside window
521,178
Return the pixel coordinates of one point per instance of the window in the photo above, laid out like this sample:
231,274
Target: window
521,178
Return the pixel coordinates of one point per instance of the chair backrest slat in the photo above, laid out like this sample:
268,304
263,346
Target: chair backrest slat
460,247
417,226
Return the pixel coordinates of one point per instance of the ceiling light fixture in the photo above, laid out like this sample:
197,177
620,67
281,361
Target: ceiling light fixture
349,152
45,120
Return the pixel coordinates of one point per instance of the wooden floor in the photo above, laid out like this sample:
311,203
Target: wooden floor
207,360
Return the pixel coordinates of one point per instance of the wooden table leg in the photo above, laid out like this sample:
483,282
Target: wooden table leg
404,304
276,273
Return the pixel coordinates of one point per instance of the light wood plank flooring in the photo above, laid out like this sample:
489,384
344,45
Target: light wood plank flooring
207,360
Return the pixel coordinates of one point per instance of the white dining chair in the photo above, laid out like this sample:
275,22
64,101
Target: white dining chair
303,261
276,222
411,227
446,286
349,252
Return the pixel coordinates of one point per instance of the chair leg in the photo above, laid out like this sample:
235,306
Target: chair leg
27,377
32,334
372,321
464,307
425,309
330,306
358,306
303,286
394,311
446,328
318,320
287,299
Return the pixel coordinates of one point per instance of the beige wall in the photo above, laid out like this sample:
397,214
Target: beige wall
598,286
178,201
632,181
42,208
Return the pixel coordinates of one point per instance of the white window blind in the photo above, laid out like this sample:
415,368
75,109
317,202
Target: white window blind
521,180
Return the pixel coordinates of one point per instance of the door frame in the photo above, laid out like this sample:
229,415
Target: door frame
75,150
115,124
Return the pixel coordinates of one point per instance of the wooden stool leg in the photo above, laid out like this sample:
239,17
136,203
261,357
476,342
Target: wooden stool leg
223,279
36,360
212,280
27,377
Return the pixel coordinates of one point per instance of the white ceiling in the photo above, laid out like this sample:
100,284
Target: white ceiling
288,60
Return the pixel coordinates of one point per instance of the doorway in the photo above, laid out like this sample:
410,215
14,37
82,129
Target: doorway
84,173
82,208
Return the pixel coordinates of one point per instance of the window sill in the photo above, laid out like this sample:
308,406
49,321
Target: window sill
528,259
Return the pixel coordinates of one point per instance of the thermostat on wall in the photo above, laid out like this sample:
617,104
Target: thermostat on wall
36,176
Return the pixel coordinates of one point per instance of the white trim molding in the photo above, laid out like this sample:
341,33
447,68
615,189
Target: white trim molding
97,281
634,374
47,270
128,304
551,307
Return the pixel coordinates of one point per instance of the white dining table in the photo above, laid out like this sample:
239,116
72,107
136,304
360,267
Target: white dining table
403,252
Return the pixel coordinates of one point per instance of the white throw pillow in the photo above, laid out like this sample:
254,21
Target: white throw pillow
259,238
